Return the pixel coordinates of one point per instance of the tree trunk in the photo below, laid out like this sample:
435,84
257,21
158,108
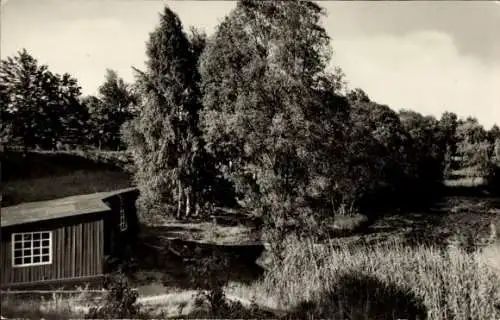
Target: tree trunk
196,204
179,200
197,209
188,204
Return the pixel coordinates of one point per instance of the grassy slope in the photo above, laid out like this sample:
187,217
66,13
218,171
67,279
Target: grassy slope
50,175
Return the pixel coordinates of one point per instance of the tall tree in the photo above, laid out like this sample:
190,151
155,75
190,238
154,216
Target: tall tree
496,151
6,132
95,117
198,40
164,137
39,104
448,126
494,132
494,139
380,147
114,106
474,147
427,155
72,113
270,113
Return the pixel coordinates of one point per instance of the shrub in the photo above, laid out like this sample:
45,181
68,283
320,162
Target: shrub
120,301
209,275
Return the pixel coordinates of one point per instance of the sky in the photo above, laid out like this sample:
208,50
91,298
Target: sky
430,57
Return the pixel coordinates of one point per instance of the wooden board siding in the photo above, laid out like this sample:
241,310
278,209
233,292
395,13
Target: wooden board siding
77,251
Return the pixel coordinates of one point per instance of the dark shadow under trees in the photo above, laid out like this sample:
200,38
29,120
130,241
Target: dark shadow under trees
362,297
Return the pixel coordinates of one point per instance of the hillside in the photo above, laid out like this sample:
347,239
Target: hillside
49,175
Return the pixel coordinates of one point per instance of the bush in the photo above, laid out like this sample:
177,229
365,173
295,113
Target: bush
209,275
120,301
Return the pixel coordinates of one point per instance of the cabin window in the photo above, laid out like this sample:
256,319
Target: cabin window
123,217
31,248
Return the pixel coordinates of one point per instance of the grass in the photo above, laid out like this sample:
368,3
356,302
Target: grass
382,282
37,307
465,182
169,303
349,222
118,158
50,175
491,256
53,187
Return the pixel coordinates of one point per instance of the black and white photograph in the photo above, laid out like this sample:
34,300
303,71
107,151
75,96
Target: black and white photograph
249,159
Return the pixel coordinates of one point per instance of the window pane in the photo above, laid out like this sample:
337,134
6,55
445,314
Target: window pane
31,247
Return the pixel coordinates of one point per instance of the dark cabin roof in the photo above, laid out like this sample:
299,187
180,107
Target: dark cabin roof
58,208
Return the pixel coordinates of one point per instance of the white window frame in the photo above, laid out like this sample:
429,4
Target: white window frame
123,217
31,247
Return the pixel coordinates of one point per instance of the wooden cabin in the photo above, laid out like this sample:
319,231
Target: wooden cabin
65,240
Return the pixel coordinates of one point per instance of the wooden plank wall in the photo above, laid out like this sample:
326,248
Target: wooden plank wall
77,252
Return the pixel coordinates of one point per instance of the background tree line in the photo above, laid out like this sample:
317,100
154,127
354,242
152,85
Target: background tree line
250,117
40,109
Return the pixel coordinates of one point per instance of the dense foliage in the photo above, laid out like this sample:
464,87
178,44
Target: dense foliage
38,108
164,138
116,103
44,110
120,301
271,117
